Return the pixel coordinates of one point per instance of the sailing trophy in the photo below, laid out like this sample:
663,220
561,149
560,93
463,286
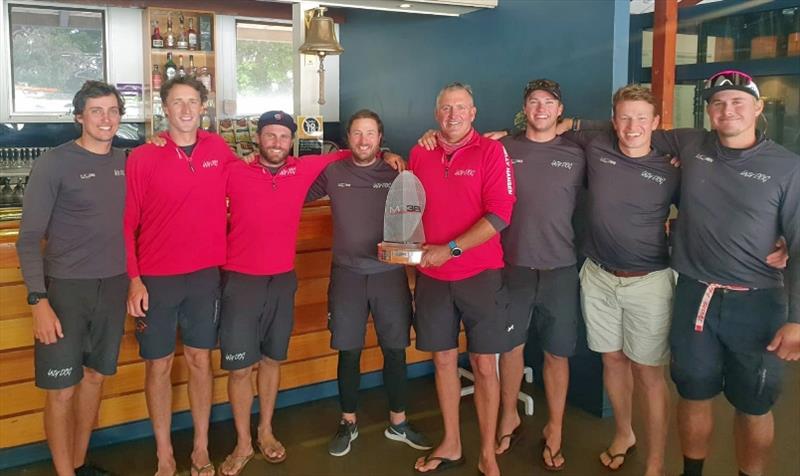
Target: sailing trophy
403,234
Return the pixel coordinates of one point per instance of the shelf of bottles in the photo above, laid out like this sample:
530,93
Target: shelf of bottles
178,43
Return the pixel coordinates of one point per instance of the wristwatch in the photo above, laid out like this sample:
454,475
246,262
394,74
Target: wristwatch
33,298
455,251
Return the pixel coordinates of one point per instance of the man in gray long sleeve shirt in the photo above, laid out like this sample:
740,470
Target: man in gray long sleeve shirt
77,290
730,333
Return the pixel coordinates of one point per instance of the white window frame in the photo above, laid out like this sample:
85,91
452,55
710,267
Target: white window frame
124,57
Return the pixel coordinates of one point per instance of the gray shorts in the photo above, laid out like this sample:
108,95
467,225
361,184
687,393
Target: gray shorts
352,297
189,301
92,315
549,299
480,302
257,318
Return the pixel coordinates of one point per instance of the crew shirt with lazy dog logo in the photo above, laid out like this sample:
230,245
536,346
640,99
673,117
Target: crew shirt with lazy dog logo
75,199
265,208
735,203
549,177
629,202
358,199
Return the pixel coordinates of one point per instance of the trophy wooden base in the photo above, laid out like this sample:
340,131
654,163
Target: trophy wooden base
400,253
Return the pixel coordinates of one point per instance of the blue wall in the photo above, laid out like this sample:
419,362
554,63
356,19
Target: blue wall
395,63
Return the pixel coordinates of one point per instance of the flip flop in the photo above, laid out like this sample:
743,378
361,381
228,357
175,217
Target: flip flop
444,464
552,456
201,469
235,461
513,438
272,448
611,458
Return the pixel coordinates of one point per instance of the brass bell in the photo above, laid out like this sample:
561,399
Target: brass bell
321,41
320,35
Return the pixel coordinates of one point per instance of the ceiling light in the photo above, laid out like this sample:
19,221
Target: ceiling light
405,5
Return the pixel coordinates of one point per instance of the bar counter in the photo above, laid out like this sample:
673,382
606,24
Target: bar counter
310,358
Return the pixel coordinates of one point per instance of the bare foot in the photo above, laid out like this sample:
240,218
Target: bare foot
166,466
488,466
272,449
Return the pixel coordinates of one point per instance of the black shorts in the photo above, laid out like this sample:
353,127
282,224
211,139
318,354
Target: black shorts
257,318
353,296
481,302
190,301
92,315
548,298
729,355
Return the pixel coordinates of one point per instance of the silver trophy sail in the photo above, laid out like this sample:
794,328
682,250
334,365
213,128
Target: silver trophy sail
403,232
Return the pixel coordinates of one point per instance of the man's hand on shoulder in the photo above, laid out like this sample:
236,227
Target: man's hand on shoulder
428,140
156,140
496,135
394,161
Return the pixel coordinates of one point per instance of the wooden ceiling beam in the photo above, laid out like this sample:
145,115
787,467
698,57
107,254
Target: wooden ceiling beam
665,30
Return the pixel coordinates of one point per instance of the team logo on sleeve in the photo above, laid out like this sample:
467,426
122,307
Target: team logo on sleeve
509,181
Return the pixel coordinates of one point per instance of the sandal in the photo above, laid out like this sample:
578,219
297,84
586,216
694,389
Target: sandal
272,448
611,457
235,462
513,438
553,456
202,469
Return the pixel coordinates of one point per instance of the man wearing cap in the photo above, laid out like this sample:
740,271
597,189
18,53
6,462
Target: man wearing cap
259,283
469,185
540,271
730,333
174,227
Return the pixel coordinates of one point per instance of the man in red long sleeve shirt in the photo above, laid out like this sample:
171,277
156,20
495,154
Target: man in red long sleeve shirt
469,185
175,221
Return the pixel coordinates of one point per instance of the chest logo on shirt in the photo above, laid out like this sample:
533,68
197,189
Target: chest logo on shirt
343,185
464,173
207,164
88,176
763,178
608,161
381,185
288,171
561,164
119,172
704,158
517,161
653,177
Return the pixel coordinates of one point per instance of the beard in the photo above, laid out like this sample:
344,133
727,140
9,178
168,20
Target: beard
271,157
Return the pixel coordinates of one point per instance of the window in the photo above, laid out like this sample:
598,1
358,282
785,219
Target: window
263,68
53,51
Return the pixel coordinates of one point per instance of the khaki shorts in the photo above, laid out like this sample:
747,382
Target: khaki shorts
628,314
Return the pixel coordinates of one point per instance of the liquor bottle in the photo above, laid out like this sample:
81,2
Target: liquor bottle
192,67
170,70
181,70
156,79
170,35
156,40
182,43
205,78
192,35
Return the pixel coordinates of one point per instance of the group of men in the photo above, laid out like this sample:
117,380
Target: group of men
500,257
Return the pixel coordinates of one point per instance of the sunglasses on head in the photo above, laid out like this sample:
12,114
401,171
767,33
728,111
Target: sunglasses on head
544,85
732,79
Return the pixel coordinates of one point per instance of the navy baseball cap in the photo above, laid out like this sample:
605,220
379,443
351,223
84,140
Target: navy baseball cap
276,117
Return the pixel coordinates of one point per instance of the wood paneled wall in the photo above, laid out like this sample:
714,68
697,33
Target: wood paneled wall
310,359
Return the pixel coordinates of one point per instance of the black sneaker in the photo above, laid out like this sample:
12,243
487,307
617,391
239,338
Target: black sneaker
407,434
91,470
340,444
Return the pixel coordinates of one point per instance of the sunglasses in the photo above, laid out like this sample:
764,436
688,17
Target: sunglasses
732,79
